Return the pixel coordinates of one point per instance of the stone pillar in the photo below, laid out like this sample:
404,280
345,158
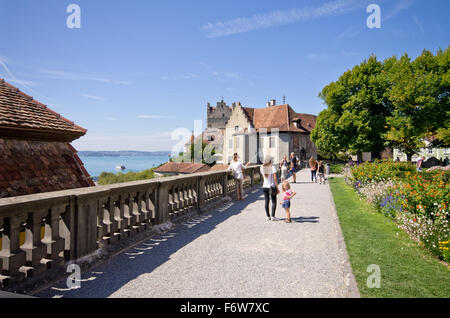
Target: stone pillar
86,216
201,193
162,203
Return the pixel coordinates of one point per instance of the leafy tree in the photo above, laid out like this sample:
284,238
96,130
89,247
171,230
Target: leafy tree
205,152
357,108
396,103
419,92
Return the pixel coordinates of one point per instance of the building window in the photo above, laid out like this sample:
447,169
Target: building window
430,151
236,128
272,142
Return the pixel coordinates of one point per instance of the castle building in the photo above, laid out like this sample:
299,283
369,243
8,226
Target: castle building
275,130
218,116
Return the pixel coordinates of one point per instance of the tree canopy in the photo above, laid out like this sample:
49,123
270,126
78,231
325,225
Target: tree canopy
396,103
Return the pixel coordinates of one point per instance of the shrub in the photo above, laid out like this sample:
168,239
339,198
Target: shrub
110,178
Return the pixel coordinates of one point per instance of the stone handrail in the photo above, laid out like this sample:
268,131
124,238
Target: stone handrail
78,222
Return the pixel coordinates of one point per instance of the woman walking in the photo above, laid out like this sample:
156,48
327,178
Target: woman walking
321,172
313,166
270,187
284,167
238,173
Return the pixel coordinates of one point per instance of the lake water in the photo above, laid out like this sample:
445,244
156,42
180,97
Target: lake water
96,165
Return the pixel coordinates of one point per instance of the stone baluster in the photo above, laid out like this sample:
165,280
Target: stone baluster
128,214
102,235
144,209
109,220
33,247
54,243
153,203
171,203
136,211
119,216
182,201
11,255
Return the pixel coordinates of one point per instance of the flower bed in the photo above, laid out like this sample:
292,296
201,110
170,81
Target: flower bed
418,202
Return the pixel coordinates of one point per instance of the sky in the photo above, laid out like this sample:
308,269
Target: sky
137,74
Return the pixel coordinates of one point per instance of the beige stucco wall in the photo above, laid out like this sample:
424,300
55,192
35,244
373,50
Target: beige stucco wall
239,119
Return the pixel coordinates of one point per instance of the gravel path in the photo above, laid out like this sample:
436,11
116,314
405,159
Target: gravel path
234,252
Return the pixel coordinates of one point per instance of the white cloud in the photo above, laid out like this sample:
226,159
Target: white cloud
276,18
419,25
184,76
74,76
94,97
155,117
403,5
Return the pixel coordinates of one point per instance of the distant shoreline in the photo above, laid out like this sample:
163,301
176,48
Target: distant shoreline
123,153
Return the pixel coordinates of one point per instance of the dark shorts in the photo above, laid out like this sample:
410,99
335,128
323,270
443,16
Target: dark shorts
286,204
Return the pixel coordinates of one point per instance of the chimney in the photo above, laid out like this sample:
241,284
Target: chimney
268,104
273,102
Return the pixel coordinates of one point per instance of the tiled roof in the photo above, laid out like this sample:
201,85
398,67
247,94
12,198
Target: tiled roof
23,117
283,117
218,167
249,112
28,167
182,167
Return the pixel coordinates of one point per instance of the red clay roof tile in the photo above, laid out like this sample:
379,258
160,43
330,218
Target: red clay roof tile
22,116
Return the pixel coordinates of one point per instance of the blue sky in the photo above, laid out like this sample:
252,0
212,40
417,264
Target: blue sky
138,69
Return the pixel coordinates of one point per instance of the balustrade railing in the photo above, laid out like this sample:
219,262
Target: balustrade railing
39,231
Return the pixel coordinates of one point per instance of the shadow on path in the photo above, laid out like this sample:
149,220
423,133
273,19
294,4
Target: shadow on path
306,219
105,279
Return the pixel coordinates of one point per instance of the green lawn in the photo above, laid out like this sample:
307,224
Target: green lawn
407,269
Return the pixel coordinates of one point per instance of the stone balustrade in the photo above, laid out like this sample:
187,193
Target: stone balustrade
62,226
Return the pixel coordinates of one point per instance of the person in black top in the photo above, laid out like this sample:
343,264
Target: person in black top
294,166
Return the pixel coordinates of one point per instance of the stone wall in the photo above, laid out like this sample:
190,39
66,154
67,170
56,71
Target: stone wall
42,233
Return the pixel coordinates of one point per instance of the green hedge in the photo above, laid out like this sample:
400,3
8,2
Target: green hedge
110,178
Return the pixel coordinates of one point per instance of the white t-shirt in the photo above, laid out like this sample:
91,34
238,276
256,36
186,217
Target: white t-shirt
269,181
237,167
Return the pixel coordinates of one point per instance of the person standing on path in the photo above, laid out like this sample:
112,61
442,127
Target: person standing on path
294,166
313,165
321,172
270,186
288,194
239,174
284,168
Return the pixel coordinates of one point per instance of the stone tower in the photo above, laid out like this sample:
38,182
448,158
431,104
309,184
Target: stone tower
218,116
